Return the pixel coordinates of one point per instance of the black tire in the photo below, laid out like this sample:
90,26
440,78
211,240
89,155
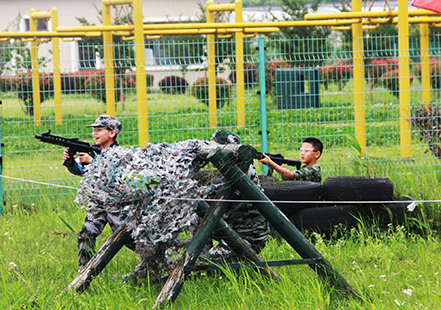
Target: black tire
325,218
391,213
292,192
357,189
267,180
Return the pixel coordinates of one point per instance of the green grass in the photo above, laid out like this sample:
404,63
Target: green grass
38,260
38,250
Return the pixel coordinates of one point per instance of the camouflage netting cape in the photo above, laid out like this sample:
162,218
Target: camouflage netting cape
143,185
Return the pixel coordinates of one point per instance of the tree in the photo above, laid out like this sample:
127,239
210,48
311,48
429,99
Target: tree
15,56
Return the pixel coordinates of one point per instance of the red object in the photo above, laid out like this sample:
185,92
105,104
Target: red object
431,5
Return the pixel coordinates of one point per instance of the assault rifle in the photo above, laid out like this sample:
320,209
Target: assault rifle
280,160
73,146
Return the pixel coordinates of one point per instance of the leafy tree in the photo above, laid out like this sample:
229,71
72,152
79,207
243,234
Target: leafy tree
15,56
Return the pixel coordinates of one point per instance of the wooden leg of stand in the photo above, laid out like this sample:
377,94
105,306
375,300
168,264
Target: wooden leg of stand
100,259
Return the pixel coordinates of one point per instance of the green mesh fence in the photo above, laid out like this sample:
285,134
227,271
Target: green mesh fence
310,92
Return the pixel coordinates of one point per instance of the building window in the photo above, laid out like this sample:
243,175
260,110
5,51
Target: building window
42,24
86,56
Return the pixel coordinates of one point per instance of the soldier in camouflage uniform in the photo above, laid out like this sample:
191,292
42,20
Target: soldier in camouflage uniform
105,130
241,216
310,152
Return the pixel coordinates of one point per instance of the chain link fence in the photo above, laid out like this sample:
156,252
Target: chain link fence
310,92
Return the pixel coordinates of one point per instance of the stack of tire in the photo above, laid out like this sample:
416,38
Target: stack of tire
312,206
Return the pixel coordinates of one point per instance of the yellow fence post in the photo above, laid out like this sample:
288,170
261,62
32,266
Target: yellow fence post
108,61
141,90
57,74
358,55
239,68
35,73
404,84
211,51
425,62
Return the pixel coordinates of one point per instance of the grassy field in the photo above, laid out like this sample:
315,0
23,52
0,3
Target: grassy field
38,260
399,268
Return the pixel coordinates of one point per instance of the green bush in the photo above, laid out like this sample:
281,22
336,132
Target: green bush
173,85
6,84
199,90
435,74
339,73
95,84
426,121
391,81
22,84
270,72
132,75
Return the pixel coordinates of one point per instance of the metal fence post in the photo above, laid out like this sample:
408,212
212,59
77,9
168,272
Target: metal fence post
108,60
359,92
35,105
404,72
57,73
425,62
262,86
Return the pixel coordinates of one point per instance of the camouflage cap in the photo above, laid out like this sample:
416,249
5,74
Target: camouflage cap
108,122
223,136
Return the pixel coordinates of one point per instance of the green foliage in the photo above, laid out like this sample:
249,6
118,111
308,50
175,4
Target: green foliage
14,49
340,72
270,72
426,120
23,85
199,90
6,84
376,68
435,73
361,163
95,84
391,80
173,85
131,75
261,2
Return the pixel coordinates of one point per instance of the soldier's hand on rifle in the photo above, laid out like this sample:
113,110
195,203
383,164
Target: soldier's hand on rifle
84,158
266,160
65,155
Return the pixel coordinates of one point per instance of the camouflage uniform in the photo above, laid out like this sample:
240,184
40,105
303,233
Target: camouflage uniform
242,217
93,226
95,222
311,173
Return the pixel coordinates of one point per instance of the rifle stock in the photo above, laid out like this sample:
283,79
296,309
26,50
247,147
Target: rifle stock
73,146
